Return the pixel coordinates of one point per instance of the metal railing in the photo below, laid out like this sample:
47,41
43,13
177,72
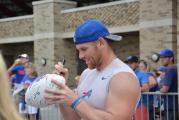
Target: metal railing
159,106
50,113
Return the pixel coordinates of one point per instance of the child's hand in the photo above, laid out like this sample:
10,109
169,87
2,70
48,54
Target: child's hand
26,85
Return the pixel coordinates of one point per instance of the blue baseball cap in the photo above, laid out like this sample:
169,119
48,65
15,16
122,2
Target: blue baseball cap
132,59
91,30
166,53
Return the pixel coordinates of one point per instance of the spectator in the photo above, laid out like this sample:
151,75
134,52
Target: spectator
17,70
77,81
158,101
141,112
168,84
7,108
143,65
18,67
160,75
31,75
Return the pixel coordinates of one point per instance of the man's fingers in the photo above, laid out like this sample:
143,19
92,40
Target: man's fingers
54,97
51,102
65,70
55,72
60,85
52,92
60,70
60,64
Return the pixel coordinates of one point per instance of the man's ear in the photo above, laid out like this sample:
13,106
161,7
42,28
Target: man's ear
101,41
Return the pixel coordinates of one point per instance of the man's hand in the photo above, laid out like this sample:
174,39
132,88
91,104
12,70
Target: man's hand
60,70
17,61
64,95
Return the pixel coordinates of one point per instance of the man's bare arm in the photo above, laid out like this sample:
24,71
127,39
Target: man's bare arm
164,88
145,87
124,92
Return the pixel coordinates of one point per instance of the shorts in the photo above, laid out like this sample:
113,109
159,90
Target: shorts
28,109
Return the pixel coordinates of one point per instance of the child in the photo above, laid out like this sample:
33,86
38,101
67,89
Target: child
29,78
77,81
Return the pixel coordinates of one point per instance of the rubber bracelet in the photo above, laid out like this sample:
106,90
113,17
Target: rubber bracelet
75,103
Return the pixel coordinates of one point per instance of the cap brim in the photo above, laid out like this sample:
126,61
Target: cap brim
164,56
114,37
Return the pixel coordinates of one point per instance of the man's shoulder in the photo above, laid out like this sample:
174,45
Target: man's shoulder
124,76
19,67
141,73
172,68
124,81
86,71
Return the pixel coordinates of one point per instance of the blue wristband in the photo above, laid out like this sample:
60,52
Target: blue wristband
75,103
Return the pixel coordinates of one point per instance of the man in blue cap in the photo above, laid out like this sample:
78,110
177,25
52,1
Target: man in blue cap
169,84
143,77
108,88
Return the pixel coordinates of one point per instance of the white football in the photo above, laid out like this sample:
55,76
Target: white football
35,93
155,57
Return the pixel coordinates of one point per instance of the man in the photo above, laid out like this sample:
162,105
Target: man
17,70
141,112
169,84
104,91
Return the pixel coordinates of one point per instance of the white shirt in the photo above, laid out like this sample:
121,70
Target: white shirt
95,84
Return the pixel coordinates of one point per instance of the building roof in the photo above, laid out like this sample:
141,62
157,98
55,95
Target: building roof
12,8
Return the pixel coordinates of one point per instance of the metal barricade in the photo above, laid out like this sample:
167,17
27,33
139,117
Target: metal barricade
50,113
160,106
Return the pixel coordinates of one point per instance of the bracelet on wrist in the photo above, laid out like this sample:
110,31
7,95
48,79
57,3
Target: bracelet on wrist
76,102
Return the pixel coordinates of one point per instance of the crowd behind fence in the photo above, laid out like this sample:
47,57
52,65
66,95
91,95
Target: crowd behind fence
162,106
158,107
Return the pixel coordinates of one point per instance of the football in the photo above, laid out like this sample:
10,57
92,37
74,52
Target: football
35,93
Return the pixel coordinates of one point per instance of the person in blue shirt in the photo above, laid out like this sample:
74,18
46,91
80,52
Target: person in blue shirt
141,111
168,84
143,65
18,67
18,73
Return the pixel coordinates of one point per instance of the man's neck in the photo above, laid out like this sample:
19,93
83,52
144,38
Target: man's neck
107,59
169,65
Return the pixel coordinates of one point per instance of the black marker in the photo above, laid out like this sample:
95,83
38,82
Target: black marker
63,62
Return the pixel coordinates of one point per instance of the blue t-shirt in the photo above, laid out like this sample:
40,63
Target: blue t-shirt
143,79
19,72
171,80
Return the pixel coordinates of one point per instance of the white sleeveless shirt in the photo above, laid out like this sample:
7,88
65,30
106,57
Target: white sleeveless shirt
94,84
